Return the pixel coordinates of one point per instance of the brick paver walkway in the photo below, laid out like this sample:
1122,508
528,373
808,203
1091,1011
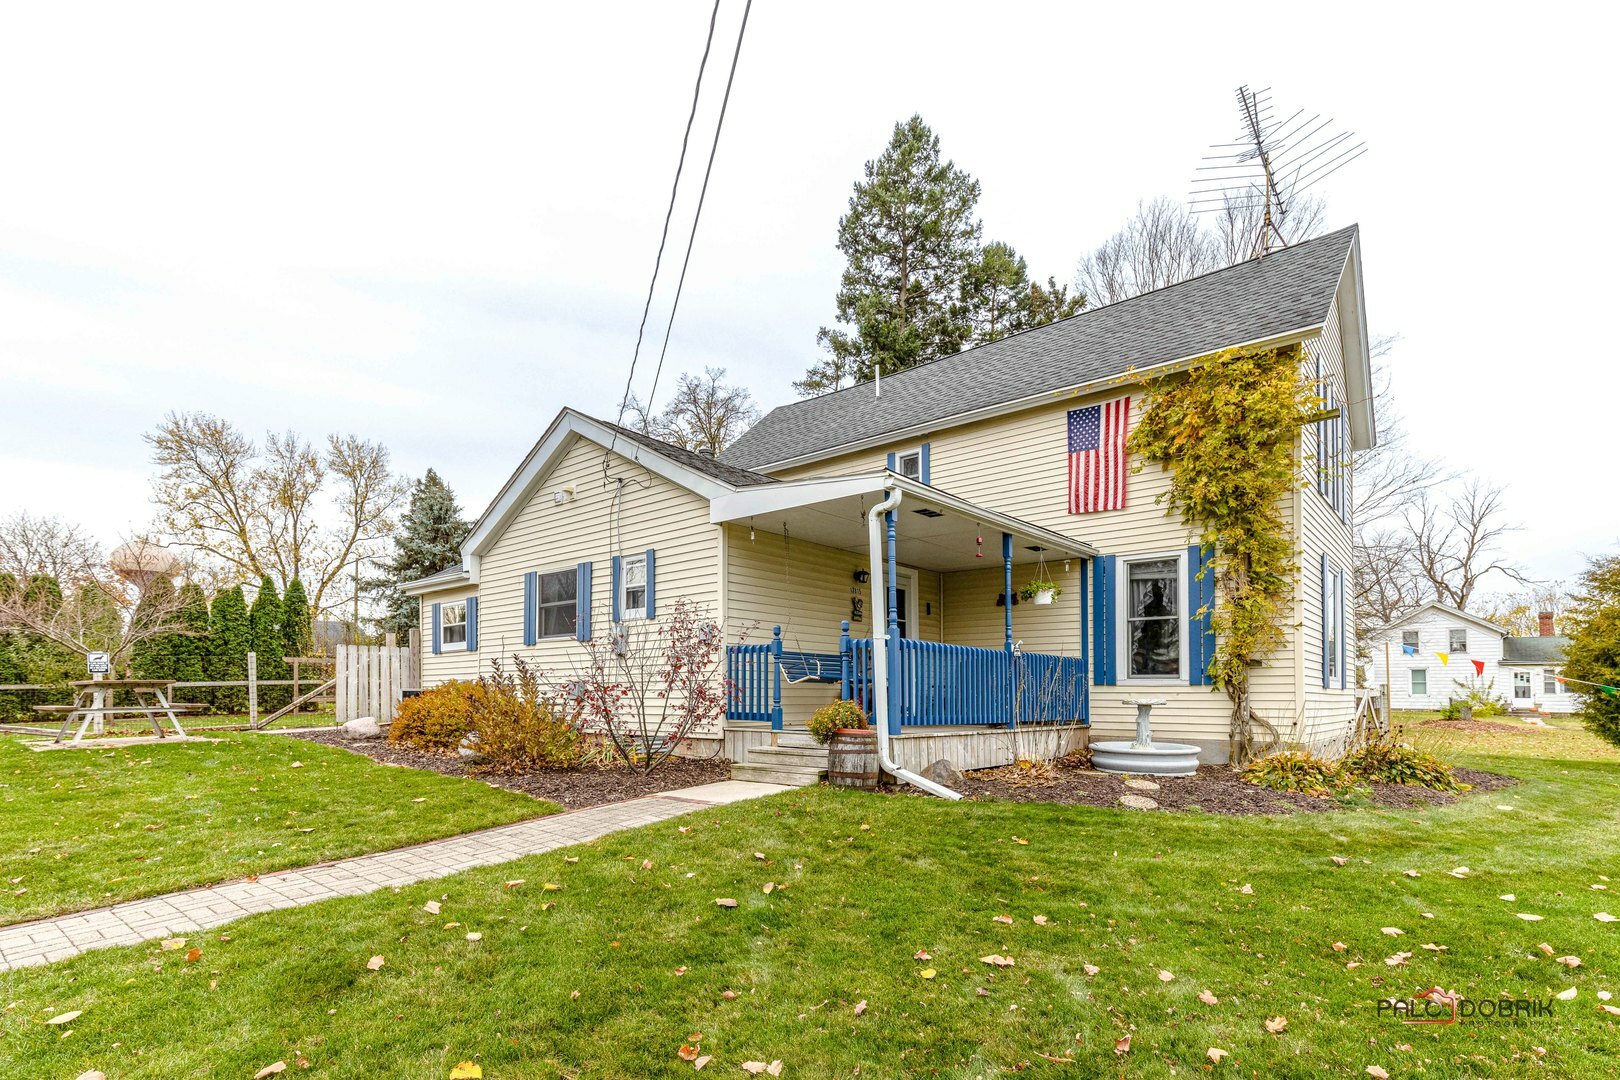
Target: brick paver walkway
48,940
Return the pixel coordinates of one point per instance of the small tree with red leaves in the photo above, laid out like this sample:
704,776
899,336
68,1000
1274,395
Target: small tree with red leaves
647,684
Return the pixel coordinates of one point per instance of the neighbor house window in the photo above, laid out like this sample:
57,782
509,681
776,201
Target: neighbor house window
1459,641
453,623
1420,682
1409,638
558,607
1550,683
909,464
633,587
1153,617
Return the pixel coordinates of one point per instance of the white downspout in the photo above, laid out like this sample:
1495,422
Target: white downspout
880,652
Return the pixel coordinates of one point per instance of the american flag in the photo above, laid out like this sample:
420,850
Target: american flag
1097,465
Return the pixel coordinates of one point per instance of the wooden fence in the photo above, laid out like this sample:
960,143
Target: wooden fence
371,679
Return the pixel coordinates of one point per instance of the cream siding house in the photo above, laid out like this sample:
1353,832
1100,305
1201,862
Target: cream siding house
969,456
1438,653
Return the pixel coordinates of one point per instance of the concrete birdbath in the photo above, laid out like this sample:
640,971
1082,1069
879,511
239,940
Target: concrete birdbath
1143,756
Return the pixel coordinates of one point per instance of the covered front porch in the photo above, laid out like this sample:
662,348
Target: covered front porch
930,583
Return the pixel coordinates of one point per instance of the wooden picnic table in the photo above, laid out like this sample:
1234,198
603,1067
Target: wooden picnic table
152,696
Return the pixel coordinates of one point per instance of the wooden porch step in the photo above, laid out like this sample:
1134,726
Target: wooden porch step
787,775
792,754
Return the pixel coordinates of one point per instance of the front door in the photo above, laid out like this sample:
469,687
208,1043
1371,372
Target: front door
1521,686
905,593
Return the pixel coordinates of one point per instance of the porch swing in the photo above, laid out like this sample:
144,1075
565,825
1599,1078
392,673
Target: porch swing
800,665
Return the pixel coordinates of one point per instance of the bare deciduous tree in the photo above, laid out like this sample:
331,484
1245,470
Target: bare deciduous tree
32,545
1159,245
260,512
1238,222
1454,545
705,413
1519,613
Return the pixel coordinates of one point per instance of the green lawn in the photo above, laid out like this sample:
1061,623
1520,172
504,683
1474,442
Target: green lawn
611,974
88,827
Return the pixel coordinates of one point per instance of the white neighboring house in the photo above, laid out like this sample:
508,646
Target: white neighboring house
1524,670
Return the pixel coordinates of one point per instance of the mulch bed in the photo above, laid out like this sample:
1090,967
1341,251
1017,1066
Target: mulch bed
1216,789
1477,727
573,788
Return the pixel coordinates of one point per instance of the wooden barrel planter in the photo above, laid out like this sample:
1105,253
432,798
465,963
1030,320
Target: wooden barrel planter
852,759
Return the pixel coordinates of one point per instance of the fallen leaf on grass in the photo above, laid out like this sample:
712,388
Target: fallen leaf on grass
467,1070
475,936
514,884
689,1053
1604,916
296,765
376,962
65,1018
451,925
646,864
1394,931
431,907
1460,872
193,956
1165,976
860,1007
927,973
551,887
1090,969
1276,1024
1509,897
1208,998
760,855
1398,960
997,960
1247,890
1020,840
1339,946
1123,1045
701,1060
1338,860
1411,873
982,992
1546,948
1569,961
921,954
754,1068
1432,947
1610,1009
1055,1060
1604,995
93,1074
1005,919
1039,920
1528,917
1566,995
172,943
768,888
729,995
1377,1073
270,1070
725,901
1215,1054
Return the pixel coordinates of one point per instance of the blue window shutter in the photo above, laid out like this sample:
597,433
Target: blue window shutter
1200,616
652,608
531,607
1326,585
891,461
582,603
472,624
1103,620
1343,647
435,629
618,568
926,472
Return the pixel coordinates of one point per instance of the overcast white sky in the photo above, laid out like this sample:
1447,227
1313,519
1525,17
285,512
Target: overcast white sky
433,224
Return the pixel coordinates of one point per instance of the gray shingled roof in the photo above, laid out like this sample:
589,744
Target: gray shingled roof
1289,290
703,463
1534,650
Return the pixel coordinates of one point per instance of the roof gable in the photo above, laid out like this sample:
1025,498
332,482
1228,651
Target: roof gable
1288,293
693,471
1455,614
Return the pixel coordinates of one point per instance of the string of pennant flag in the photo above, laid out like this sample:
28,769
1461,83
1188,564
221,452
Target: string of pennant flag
1479,669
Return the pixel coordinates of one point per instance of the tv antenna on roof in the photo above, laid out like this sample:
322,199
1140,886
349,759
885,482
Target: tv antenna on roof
1272,163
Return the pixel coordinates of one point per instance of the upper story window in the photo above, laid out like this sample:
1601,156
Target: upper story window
909,464
1152,611
1459,641
633,587
1409,639
453,623
1332,449
558,607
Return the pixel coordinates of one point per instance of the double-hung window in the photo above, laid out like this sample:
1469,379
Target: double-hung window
453,623
1409,639
1420,682
633,587
1459,641
1153,618
559,609
1550,683
1335,629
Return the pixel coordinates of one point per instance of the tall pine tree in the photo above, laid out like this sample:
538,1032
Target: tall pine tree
154,657
428,540
297,636
190,647
910,237
264,638
229,636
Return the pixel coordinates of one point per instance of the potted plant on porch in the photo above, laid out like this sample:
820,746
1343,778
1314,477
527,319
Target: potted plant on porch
851,743
1040,590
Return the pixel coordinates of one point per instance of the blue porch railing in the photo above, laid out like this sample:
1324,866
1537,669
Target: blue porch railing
932,683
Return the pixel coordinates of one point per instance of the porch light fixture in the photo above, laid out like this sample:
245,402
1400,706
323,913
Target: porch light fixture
863,576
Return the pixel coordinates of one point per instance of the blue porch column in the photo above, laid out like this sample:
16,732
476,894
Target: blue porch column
1008,704
844,658
776,681
896,676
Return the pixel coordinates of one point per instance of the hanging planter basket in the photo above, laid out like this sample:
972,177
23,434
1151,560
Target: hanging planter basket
1045,596
1041,589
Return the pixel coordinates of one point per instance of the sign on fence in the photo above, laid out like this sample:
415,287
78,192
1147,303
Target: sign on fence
371,679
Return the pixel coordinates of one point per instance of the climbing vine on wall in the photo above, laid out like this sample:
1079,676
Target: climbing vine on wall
1225,431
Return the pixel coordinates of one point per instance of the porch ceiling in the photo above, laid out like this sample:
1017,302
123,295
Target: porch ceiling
832,511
